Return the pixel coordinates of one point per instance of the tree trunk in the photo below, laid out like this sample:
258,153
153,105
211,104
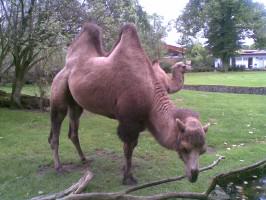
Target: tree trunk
17,86
225,61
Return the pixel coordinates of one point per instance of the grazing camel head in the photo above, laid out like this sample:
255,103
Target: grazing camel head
191,144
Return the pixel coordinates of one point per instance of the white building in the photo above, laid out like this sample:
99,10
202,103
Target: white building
249,59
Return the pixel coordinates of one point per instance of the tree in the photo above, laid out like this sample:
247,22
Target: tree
4,38
225,23
199,56
157,32
257,23
34,25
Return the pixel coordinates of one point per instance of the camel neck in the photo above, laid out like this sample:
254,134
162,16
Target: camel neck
162,123
176,82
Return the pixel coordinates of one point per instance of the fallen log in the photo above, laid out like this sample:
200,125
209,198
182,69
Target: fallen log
74,192
27,101
221,179
133,189
76,188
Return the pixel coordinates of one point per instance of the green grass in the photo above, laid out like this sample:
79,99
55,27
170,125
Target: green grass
251,79
24,148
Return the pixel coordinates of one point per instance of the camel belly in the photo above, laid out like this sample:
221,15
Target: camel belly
93,95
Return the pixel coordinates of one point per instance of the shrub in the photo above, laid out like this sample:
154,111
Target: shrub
237,68
166,67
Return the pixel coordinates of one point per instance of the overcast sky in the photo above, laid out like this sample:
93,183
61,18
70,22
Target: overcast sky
171,9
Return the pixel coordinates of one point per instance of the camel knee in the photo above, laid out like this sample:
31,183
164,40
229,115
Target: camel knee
54,143
73,137
72,134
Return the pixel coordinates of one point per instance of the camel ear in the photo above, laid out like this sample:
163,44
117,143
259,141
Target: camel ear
180,125
205,128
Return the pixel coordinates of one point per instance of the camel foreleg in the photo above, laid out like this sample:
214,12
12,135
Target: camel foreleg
128,178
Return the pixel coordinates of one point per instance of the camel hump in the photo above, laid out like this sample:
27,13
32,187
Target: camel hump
90,36
130,34
129,28
92,29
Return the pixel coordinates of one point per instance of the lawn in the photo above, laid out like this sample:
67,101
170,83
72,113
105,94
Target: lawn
238,133
251,79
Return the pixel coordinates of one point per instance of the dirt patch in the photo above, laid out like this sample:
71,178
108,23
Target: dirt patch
67,168
210,150
107,153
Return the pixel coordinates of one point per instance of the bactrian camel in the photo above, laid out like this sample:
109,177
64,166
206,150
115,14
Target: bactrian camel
123,86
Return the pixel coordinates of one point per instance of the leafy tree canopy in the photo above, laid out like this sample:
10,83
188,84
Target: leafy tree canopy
31,28
225,23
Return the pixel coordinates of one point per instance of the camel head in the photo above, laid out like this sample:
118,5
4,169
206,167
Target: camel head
191,144
181,67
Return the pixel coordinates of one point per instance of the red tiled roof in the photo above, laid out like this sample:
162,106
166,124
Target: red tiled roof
252,52
174,48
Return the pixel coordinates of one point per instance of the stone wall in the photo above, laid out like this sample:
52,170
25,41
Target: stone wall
227,89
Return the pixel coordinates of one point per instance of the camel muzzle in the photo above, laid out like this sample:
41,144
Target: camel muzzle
193,176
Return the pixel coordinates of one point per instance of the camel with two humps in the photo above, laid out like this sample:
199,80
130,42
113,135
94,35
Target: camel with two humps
124,86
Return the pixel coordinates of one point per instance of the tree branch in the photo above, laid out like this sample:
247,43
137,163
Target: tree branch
73,193
74,189
216,162
6,13
39,59
119,196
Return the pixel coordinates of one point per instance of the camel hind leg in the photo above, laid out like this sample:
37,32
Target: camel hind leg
57,117
75,112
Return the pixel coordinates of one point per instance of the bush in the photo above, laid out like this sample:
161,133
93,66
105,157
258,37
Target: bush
237,68
166,67
203,69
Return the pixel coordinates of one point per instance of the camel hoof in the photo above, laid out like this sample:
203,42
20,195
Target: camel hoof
130,180
86,161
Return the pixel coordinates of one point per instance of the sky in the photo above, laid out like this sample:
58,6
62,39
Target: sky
170,10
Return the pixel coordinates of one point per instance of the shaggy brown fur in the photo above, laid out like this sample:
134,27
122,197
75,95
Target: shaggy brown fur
172,83
122,86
